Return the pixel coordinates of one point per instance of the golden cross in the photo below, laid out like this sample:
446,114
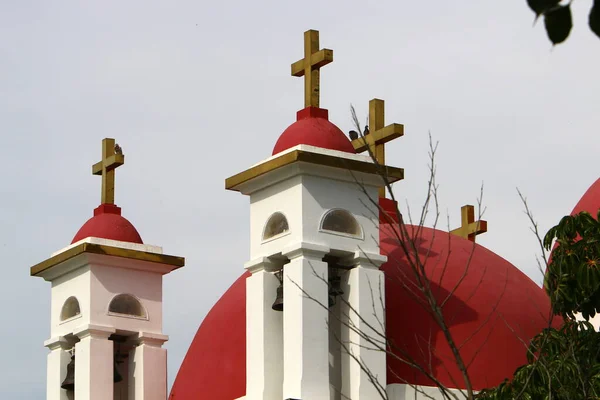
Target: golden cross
309,67
378,134
106,168
469,227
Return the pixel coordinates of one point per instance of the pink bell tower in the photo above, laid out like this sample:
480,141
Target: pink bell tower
106,332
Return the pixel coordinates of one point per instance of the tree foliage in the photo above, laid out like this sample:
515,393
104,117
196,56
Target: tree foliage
564,363
573,277
558,19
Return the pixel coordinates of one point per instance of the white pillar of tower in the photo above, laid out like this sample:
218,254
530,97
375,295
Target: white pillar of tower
148,368
58,359
364,330
94,363
305,319
264,333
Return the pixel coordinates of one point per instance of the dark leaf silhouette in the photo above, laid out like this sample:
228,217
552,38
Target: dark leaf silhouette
558,22
541,6
594,19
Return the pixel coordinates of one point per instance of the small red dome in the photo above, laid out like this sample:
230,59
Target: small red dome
107,223
313,128
493,311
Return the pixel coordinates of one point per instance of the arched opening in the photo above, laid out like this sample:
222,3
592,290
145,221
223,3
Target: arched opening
70,309
341,221
126,304
277,224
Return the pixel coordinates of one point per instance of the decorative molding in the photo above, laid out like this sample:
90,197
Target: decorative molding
261,264
95,331
150,339
364,259
114,243
155,260
57,342
318,158
310,250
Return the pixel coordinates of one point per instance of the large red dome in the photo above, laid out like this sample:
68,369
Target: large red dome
313,128
107,223
493,313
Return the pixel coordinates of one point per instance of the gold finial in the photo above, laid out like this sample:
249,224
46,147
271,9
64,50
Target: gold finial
469,227
309,67
106,168
376,135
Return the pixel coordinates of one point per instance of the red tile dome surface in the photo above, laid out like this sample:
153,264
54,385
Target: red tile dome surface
107,223
313,128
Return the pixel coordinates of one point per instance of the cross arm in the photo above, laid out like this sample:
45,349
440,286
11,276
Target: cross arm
111,163
478,227
317,60
380,136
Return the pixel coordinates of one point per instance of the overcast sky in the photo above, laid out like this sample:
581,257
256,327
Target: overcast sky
198,91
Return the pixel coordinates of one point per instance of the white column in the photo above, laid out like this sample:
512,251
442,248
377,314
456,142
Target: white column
305,319
94,364
365,313
58,359
148,368
264,333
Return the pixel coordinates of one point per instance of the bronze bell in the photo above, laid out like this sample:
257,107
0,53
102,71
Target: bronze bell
69,382
278,304
116,375
335,289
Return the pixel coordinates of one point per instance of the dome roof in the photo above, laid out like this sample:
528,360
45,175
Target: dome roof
313,128
107,223
590,201
494,310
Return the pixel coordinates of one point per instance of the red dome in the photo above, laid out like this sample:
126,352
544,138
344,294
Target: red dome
313,128
494,311
590,201
107,223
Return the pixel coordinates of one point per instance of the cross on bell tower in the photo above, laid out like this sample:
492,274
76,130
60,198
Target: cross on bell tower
378,135
469,227
106,168
310,66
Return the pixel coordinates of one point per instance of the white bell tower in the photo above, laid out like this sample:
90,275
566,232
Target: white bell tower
312,223
106,307
314,234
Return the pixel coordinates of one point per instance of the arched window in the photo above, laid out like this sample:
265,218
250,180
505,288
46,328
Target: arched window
126,304
341,221
276,225
70,309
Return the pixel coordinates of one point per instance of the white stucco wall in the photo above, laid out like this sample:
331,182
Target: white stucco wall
416,392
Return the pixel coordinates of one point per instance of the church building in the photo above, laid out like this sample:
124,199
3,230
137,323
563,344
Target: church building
340,298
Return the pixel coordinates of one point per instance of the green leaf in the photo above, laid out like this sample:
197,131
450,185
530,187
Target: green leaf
558,22
541,6
594,22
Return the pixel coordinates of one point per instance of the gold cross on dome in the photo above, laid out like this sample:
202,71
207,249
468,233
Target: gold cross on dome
378,134
469,227
106,168
310,65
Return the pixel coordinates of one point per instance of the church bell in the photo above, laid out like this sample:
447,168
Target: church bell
335,288
69,382
116,375
278,303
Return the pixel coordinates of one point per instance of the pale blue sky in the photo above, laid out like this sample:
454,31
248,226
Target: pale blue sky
197,91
